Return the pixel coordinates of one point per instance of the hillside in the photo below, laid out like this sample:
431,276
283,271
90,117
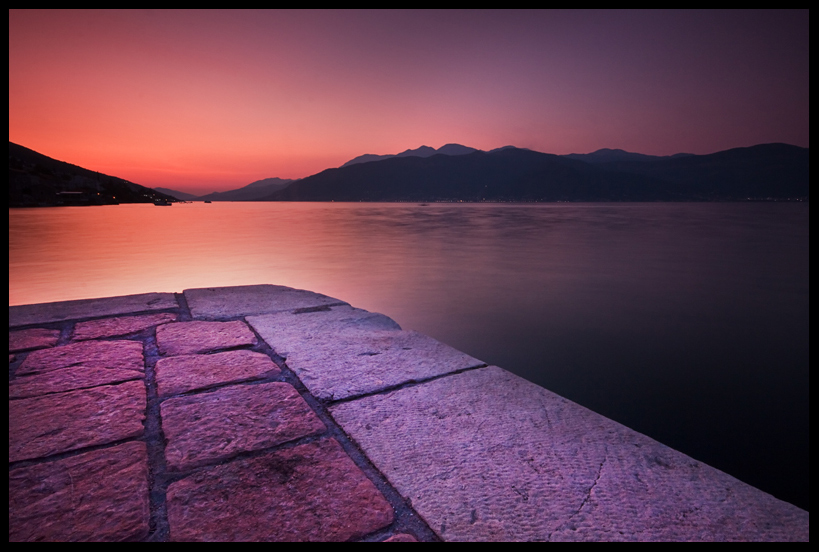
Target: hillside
36,180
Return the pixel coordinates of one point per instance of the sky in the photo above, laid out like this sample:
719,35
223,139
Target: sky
202,101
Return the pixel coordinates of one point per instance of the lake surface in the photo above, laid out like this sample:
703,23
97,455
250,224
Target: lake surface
685,321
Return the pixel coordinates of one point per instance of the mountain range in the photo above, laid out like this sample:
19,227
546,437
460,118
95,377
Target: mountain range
763,172
459,173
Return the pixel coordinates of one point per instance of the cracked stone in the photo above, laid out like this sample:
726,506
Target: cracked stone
486,455
35,338
188,338
51,424
67,379
312,492
44,313
95,496
123,325
184,373
225,302
344,352
123,354
213,426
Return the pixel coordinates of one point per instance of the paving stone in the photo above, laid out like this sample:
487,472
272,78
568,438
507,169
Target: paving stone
121,325
486,455
67,379
44,313
214,426
311,492
287,329
122,354
188,338
51,424
34,338
184,373
337,357
95,496
227,302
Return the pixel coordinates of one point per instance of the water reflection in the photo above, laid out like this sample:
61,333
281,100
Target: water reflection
688,322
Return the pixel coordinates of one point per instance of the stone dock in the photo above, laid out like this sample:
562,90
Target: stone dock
265,413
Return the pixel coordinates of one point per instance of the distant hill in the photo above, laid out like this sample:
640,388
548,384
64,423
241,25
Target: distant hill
423,151
38,180
251,192
607,155
182,196
769,171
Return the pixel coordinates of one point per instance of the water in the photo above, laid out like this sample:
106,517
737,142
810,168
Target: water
686,322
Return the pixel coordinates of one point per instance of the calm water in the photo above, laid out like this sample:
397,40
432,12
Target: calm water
687,322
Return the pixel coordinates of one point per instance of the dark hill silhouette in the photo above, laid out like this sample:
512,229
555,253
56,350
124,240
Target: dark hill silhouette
607,155
765,171
182,196
509,174
771,171
251,192
423,151
38,180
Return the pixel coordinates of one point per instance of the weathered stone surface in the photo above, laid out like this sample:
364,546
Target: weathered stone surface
486,455
226,302
343,353
51,424
95,496
288,330
312,492
67,379
188,338
189,372
35,338
214,426
123,354
122,325
44,313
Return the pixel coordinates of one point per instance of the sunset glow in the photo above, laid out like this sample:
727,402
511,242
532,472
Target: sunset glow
212,100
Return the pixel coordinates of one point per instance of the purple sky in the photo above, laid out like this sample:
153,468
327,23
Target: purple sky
202,101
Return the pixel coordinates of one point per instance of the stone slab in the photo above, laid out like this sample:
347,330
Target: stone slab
51,424
95,496
288,329
68,379
43,313
339,358
34,338
214,426
486,455
188,338
229,302
312,492
122,354
121,325
185,373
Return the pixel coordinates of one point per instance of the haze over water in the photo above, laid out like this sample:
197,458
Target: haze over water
687,322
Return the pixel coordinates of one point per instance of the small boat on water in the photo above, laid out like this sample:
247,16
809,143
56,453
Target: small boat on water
162,203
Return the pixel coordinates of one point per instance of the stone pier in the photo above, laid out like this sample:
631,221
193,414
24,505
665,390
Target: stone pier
265,413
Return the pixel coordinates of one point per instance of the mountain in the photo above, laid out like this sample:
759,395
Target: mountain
423,151
509,174
251,192
182,196
607,155
765,171
769,171
38,180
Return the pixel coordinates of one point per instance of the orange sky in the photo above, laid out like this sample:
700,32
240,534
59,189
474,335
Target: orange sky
203,101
